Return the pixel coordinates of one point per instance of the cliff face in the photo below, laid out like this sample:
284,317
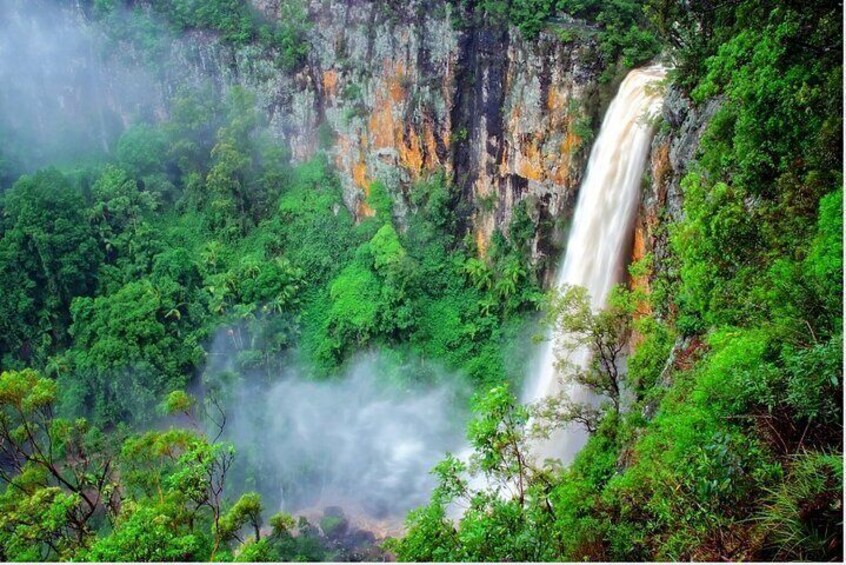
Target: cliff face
391,91
675,145
403,93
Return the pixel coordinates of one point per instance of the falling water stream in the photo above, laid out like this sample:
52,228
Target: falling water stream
596,250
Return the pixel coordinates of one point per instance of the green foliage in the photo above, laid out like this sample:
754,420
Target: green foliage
33,520
508,512
48,255
431,536
386,249
802,517
291,35
625,34
730,445
120,217
822,269
761,73
713,244
57,472
315,229
142,150
530,16
149,533
131,347
177,402
231,17
196,117
647,362
201,222
498,437
334,526
236,21
355,302
380,201
722,439
246,511
604,335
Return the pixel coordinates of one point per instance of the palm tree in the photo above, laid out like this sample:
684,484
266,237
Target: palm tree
479,273
509,278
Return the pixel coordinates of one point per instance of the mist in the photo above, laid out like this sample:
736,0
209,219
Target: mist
68,89
51,97
364,440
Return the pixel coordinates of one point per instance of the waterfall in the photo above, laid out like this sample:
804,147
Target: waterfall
597,245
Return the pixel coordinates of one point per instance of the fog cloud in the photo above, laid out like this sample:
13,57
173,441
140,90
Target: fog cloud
66,92
365,439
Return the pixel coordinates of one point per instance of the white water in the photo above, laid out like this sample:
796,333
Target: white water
602,228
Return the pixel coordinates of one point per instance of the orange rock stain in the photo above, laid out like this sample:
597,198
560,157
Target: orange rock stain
330,82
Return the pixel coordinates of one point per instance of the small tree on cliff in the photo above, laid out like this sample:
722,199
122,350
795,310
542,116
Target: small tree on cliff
601,338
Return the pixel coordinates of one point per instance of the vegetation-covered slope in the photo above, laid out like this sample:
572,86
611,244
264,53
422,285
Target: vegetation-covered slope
732,448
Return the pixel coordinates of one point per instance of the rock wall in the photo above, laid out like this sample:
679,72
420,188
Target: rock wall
673,149
404,93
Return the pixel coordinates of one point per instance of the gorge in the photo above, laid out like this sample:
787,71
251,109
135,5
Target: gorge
274,274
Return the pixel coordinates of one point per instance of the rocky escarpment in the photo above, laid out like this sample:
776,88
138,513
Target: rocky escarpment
392,92
401,93
673,149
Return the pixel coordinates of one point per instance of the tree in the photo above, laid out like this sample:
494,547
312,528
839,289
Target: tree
510,273
355,303
505,498
48,255
694,29
386,249
145,533
119,216
245,512
590,346
177,477
499,437
34,523
131,346
58,473
225,186
142,150
479,273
